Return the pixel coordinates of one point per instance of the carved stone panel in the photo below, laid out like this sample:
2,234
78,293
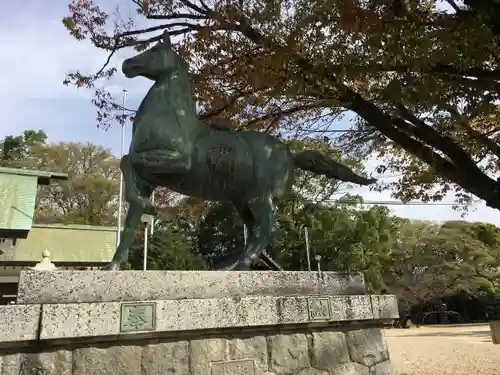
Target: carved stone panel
241,367
138,317
319,308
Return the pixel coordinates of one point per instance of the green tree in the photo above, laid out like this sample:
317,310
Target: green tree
422,82
347,239
220,236
374,237
351,239
17,151
431,261
90,195
169,248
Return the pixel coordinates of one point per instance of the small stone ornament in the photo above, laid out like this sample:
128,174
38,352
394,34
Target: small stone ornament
45,264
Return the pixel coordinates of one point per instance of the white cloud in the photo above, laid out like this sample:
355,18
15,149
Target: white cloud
37,52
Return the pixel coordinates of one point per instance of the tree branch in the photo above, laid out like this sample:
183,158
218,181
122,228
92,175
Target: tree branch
430,136
194,7
438,69
288,111
128,43
483,139
484,187
454,5
175,16
232,100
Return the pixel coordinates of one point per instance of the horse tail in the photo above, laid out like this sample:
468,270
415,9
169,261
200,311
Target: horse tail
320,164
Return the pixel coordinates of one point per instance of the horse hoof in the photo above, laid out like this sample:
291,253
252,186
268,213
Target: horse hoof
241,266
225,266
147,207
111,267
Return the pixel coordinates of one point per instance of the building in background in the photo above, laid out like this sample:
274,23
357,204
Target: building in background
70,247
22,242
18,189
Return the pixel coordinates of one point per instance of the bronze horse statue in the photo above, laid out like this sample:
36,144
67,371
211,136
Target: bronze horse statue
171,147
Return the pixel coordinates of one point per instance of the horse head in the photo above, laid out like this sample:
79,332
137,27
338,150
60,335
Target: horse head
154,63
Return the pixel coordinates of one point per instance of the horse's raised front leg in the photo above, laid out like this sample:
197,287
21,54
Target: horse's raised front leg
259,217
161,161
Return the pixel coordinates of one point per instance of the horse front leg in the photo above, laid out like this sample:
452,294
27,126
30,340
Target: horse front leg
132,221
132,187
161,161
137,193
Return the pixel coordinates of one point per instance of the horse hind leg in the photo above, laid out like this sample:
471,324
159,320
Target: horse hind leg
259,217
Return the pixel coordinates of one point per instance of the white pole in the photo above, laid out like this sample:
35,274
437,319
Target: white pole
245,234
145,258
306,234
152,218
120,194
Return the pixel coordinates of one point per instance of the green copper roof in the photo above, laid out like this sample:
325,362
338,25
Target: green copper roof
17,201
66,243
18,196
43,177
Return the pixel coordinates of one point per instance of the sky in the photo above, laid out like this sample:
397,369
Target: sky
37,52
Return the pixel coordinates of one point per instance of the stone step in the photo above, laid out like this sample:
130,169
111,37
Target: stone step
113,319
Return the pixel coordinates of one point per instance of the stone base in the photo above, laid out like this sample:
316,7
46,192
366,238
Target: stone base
104,286
348,350
206,323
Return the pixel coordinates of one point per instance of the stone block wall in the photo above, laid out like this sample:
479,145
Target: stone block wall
342,350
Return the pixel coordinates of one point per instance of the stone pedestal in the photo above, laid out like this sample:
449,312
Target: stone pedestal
194,323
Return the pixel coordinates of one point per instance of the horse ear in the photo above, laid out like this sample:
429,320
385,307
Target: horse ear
166,39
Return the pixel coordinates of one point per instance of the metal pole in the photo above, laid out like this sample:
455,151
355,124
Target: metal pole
245,234
306,234
152,218
145,258
120,194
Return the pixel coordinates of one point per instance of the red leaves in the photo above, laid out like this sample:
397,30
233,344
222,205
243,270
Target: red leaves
86,20
108,110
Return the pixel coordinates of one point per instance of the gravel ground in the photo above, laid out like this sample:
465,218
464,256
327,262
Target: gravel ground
450,350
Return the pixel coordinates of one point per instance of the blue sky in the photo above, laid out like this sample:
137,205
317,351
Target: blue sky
37,52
